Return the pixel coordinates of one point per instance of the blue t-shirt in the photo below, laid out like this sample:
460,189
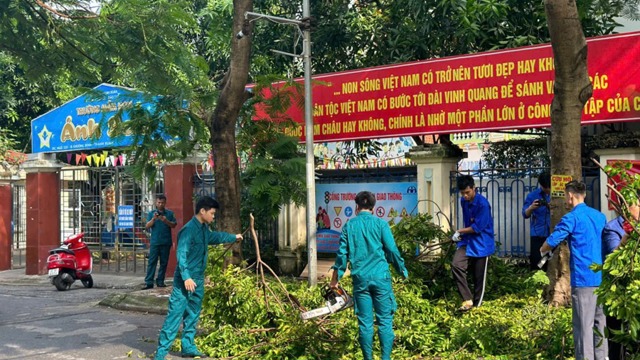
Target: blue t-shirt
477,215
612,235
540,217
161,232
582,227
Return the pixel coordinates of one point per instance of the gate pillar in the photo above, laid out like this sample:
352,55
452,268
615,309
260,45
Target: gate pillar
435,162
178,187
292,238
6,214
43,210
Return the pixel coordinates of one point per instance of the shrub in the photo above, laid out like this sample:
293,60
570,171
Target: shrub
244,320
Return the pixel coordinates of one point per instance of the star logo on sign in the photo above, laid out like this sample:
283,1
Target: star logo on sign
45,137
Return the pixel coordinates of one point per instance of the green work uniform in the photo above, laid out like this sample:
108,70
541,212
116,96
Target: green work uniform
367,243
160,247
192,254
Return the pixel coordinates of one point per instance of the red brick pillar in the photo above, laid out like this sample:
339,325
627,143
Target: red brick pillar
178,187
6,209
43,211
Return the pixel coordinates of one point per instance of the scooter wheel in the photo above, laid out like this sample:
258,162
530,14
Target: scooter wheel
87,282
59,283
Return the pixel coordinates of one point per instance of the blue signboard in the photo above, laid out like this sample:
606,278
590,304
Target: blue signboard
336,204
84,122
125,216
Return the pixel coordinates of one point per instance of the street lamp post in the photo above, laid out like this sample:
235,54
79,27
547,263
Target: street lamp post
304,25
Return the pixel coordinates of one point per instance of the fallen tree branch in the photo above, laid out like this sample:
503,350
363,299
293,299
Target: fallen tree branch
262,282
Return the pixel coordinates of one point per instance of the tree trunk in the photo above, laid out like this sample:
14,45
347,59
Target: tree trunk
572,89
222,125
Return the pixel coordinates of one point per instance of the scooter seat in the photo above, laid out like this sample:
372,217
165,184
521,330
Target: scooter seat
61,250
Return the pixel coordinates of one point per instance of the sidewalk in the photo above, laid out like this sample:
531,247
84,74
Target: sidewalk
153,301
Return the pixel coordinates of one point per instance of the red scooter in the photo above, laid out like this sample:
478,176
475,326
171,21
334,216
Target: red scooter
70,262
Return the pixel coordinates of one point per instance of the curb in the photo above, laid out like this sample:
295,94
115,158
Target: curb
140,303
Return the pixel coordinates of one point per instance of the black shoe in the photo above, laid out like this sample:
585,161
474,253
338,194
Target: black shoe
147,287
162,285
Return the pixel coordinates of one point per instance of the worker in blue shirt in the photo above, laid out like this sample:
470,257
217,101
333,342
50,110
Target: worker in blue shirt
160,221
475,243
614,236
582,227
536,208
367,243
185,302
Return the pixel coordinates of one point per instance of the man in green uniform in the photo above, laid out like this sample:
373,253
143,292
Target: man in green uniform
185,302
367,243
160,221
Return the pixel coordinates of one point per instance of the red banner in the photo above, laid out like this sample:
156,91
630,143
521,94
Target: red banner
617,182
496,90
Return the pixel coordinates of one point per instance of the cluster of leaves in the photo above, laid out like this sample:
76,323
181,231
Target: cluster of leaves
243,320
517,154
621,274
7,143
22,99
356,151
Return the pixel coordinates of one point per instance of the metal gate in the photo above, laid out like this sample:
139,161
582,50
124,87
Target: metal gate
19,226
506,190
90,199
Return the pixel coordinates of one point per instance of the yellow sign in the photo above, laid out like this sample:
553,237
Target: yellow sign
558,183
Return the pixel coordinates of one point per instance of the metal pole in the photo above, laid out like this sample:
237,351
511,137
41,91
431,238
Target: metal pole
311,179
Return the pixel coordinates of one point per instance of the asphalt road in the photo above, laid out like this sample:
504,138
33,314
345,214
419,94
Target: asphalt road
39,322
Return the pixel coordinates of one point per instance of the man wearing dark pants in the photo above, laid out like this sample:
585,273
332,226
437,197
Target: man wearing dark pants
582,227
615,235
475,243
536,208
160,221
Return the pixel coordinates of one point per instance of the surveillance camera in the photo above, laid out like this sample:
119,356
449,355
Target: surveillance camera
239,35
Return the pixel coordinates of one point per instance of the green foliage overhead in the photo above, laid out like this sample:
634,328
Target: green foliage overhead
355,34
124,42
22,99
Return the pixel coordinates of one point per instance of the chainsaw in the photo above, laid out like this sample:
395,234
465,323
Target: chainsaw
336,300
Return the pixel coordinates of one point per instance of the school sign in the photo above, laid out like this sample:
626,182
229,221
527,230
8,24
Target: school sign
85,123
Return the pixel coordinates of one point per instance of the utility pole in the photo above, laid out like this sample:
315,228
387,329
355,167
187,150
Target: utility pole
312,250
303,25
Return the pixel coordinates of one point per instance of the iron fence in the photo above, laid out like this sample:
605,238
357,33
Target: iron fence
506,190
19,226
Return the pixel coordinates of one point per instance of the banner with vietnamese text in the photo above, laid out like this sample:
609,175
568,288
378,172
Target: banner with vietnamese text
496,90
336,205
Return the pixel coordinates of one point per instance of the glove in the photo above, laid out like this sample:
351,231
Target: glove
627,227
456,237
